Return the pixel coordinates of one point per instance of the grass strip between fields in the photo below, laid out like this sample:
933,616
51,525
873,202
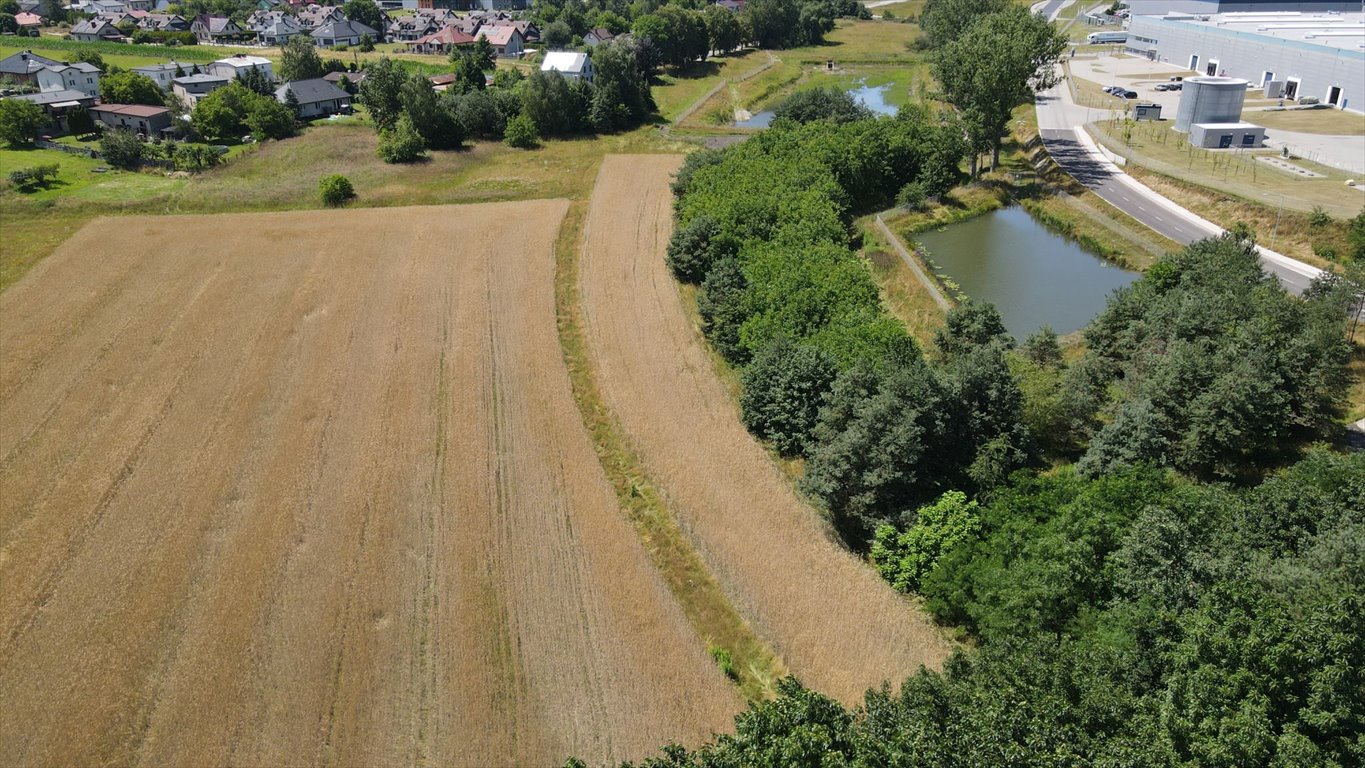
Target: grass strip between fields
755,667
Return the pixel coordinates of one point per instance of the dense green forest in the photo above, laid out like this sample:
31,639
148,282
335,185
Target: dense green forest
1152,553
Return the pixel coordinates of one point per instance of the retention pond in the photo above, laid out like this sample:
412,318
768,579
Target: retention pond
1033,276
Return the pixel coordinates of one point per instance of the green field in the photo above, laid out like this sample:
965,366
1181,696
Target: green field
283,175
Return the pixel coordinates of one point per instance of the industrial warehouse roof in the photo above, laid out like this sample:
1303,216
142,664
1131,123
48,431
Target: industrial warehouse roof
1345,31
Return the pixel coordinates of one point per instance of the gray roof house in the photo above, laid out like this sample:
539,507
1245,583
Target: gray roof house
80,76
93,30
316,98
345,32
58,104
163,74
278,31
214,28
22,67
192,88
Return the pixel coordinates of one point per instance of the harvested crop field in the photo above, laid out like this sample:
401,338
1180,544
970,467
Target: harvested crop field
835,623
311,489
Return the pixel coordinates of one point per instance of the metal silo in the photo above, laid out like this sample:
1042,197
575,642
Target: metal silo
1210,100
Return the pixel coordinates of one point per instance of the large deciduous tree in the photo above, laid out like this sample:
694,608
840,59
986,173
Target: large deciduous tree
20,121
299,60
379,92
130,88
1002,61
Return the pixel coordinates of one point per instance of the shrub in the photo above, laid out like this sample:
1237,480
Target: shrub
822,103
402,143
26,179
725,661
911,196
121,149
195,157
521,132
335,189
1319,217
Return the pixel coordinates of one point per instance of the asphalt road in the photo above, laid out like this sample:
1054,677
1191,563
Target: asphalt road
1058,118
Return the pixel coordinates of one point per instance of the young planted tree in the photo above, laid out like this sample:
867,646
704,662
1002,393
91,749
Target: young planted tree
1002,61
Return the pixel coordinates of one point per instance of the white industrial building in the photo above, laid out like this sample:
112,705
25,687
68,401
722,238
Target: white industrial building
1300,55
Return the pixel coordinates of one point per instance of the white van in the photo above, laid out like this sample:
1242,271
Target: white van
1100,38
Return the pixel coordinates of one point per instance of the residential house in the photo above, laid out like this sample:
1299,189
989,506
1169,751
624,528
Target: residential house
163,22
314,16
354,78
192,88
94,30
116,17
528,29
163,74
28,21
731,5
58,105
597,36
316,98
23,67
144,120
345,32
97,7
443,41
279,31
80,76
571,64
501,5
215,29
420,24
140,5
506,40
238,63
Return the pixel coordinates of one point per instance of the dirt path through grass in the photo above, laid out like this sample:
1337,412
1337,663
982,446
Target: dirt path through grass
835,623
314,490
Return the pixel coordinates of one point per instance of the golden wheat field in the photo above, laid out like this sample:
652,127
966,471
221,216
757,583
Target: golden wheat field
836,624
310,488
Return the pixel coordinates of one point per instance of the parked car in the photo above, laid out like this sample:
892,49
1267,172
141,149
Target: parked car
1122,94
1112,90
1169,86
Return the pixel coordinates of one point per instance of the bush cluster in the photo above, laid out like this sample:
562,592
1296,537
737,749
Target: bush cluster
28,179
335,189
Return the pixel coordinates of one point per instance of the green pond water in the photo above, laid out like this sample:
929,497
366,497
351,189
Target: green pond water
1033,276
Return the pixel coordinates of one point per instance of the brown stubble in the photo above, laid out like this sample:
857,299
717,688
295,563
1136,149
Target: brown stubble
311,489
834,622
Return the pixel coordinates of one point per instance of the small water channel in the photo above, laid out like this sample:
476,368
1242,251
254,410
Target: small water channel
1033,276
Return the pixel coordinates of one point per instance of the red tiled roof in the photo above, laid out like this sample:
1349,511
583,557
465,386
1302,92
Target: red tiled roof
447,36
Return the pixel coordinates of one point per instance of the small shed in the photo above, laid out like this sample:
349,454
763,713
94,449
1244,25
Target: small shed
1227,135
1147,112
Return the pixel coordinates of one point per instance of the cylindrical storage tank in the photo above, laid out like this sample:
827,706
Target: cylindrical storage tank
1210,100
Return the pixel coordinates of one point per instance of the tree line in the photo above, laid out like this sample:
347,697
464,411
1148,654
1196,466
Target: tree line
1134,619
689,30
411,116
1157,566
